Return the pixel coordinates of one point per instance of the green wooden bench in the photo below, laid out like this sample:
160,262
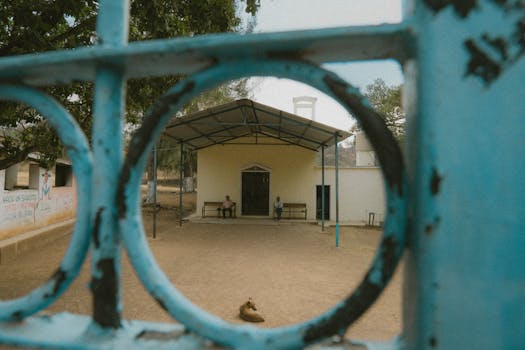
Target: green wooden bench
292,211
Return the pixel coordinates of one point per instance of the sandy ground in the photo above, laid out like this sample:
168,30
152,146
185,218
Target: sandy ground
292,271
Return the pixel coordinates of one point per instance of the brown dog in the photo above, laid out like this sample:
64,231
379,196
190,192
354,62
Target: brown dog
248,312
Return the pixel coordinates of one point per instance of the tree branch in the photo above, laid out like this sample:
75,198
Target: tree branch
79,28
16,158
86,24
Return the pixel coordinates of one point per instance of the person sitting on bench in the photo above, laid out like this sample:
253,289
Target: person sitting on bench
227,206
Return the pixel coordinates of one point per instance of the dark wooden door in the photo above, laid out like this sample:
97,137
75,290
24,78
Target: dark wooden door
319,202
255,193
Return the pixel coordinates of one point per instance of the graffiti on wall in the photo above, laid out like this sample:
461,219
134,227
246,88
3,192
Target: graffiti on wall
45,184
29,207
19,207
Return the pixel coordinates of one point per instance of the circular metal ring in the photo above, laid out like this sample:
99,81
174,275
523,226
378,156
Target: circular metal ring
333,321
77,148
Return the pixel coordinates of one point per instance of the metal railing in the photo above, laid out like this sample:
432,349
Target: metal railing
448,66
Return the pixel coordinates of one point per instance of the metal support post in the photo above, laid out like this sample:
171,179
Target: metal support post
155,191
336,191
322,188
180,182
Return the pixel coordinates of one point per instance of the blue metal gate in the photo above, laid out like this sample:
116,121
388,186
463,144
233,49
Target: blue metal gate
456,209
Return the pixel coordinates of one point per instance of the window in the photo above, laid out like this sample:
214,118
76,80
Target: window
18,176
63,175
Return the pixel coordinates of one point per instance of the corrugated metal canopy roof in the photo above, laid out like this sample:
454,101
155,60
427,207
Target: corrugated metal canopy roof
243,118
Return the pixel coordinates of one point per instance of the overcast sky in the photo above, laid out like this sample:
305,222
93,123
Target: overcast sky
281,15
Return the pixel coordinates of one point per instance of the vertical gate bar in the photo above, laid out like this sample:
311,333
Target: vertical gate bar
465,276
108,112
322,188
155,191
180,183
336,192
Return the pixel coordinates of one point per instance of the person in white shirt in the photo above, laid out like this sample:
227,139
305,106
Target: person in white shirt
227,206
278,205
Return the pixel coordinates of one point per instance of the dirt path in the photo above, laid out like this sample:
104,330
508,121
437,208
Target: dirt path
292,271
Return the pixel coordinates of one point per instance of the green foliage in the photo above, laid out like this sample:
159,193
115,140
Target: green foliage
387,101
346,157
224,94
42,25
37,26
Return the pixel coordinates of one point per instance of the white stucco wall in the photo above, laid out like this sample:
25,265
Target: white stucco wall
361,191
291,168
365,159
2,180
293,176
365,155
10,177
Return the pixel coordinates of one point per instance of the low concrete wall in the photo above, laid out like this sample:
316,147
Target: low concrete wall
12,247
23,210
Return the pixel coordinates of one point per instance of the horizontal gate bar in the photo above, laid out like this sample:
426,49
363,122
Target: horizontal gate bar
48,332
189,55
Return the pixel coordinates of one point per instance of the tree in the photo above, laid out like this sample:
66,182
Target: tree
387,101
37,26
346,156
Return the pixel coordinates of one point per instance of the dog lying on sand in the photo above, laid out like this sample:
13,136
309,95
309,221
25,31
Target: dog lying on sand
248,312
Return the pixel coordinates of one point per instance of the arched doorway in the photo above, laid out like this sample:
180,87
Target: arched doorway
255,191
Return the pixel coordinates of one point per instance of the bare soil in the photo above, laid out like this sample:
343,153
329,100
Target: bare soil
292,271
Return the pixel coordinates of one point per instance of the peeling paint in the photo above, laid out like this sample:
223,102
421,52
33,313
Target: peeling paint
435,182
498,43
432,342
96,227
501,3
490,55
296,56
105,295
519,34
161,303
159,336
480,64
58,277
510,5
461,7
430,227
17,315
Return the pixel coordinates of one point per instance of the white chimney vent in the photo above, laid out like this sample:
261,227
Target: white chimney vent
303,104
